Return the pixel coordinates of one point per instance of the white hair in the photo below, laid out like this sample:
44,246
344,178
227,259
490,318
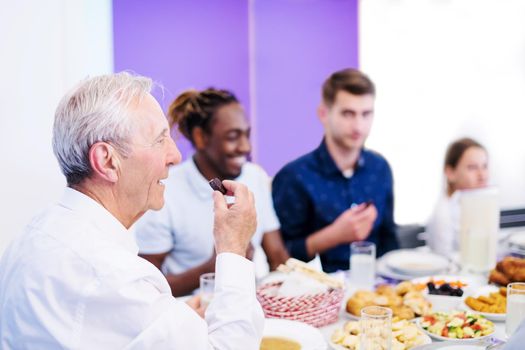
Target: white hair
97,109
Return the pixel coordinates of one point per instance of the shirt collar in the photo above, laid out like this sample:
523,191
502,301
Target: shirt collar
110,228
197,181
328,166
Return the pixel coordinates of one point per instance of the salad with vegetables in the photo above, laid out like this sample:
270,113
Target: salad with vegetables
457,325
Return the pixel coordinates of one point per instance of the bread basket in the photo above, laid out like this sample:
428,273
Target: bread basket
318,309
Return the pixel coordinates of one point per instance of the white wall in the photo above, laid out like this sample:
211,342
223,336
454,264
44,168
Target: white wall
444,69
45,48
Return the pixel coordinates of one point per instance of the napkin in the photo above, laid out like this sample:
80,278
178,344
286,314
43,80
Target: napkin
297,284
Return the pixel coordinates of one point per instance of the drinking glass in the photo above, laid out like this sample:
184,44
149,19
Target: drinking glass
363,264
479,225
515,307
376,328
207,288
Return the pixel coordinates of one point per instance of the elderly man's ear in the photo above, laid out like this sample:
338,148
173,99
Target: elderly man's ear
104,161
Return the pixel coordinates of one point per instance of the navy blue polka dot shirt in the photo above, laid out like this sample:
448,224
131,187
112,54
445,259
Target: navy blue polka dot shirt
311,192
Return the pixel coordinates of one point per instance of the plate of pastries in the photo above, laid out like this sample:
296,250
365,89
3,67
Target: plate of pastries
405,299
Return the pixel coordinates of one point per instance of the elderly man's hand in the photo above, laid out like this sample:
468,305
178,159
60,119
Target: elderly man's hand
250,251
195,303
234,224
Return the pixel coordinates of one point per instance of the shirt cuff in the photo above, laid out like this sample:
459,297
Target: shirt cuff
233,270
297,249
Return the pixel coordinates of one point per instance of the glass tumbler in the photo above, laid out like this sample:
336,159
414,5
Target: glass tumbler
376,328
207,287
515,307
363,264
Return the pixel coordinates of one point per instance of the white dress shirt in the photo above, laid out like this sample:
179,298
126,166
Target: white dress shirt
73,280
443,226
184,226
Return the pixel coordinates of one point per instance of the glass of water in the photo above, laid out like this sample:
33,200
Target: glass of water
515,307
207,288
363,264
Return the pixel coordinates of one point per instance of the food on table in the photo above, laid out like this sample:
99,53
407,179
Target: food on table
498,277
279,343
457,325
375,333
444,289
302,294
405,335
510,269
495,303
405,300
294,265
217,185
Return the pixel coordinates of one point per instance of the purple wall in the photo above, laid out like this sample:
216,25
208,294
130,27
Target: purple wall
184,44
295,45
298,45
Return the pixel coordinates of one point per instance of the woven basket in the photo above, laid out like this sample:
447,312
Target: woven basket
317,310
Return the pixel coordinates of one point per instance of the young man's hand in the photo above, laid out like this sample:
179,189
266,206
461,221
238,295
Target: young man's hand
355,224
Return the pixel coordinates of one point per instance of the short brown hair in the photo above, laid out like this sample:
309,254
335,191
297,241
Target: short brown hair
350,80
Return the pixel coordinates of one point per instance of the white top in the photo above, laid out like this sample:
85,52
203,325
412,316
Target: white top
73,280
184,226
443,226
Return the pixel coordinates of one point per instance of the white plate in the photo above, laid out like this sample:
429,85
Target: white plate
486,290
383,270
439,337
309,337
416,263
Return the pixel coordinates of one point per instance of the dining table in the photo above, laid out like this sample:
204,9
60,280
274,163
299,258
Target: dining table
327,331
383,276
477,279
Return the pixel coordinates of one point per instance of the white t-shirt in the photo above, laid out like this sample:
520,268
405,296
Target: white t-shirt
73,280
443,226
184,226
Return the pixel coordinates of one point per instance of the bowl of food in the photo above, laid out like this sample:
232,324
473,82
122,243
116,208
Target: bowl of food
489,301
290,335
299,298
459,326
405,335
446,293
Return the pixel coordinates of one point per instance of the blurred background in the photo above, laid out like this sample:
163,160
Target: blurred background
443,69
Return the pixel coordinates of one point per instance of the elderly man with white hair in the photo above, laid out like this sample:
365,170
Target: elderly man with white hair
73,279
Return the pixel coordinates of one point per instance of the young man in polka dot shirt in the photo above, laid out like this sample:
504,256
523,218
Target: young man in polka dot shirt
341,192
